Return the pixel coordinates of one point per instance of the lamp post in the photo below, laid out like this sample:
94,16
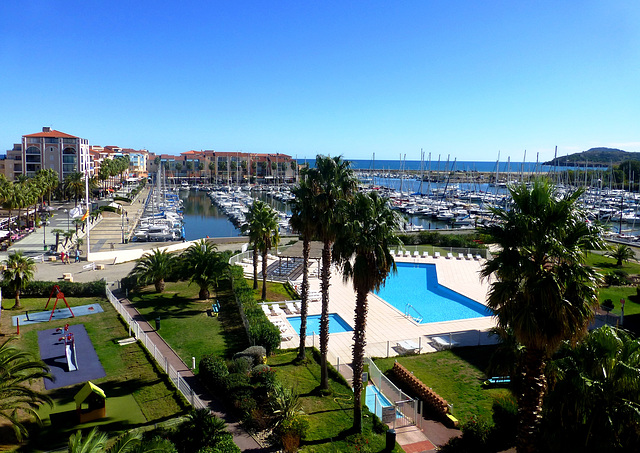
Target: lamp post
124,215
44,231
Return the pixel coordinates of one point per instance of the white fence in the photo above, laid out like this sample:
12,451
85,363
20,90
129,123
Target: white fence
161,360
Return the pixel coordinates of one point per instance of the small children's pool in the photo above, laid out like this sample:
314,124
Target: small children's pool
375,401
336,324
415,291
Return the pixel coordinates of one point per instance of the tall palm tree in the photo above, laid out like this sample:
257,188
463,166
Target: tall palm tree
18,272
204,266
303,220
262,226
361,250
594,404
332,180
542,291
154,268
212,167
74,186
621,253
17,398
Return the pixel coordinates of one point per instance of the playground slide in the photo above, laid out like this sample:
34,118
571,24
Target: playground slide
70,351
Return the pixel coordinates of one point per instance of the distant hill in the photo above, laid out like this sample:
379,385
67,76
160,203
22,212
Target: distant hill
595,156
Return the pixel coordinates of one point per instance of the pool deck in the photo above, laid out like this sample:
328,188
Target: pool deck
386,326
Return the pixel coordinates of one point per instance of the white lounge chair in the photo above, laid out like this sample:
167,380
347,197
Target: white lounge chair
291,307
399,252
266,310
416,254
449,255
477,257
392,252
436,254
408,347
443,342
469,256
297,307
460,256
277,310
285,336
425,254
407,253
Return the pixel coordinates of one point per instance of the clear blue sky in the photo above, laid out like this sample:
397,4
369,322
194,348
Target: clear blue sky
465,78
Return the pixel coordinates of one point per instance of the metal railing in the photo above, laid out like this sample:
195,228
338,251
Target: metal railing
136,331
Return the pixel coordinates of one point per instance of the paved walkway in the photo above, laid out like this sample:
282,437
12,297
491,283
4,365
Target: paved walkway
241,438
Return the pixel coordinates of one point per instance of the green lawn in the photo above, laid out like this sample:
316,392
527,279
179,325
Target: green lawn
456,375
186,322
329,416
606,264
137,393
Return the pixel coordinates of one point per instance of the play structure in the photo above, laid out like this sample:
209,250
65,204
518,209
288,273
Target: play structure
59,295
69,348
90,403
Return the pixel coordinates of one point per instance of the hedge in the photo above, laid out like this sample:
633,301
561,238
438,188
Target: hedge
261,331
70,289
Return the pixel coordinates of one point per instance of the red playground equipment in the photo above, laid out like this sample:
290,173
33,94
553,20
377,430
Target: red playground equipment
59,295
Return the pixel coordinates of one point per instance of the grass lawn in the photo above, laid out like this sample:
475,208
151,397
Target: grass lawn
456,375
606,264
276,292
137,394
329,416
186,324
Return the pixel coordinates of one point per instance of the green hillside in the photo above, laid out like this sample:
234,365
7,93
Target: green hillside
595,156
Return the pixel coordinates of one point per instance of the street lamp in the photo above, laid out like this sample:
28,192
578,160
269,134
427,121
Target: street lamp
122,217
44,230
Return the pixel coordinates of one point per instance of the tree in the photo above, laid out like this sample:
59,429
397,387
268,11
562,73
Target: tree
621,253
178,167
19,271
594,402
200,430
74,186
189,166
93,442
303,220
263,229
542,291
332,180
212,167
17,398
154,268
204,266
361,250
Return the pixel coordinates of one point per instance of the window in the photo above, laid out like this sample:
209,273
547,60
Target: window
33,150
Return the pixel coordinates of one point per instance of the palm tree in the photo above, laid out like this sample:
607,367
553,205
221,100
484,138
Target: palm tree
262,227
332,180
304,220
94,442
594,404
212,167
18,273
200,430
74,185
621,253
17,398
543,291
154,268
204,266
361,250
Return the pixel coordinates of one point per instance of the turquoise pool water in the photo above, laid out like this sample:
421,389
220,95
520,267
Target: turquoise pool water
336,324
375,400
415,290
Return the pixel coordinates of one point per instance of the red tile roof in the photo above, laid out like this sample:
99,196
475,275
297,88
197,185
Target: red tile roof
51,133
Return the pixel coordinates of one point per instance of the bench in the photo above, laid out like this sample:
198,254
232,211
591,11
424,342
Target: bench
126,341
215,309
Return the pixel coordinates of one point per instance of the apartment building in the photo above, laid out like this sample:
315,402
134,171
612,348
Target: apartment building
64,153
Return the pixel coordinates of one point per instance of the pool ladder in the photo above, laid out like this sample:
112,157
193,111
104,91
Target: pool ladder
417,317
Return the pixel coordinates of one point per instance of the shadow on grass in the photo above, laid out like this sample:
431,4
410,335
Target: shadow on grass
342,435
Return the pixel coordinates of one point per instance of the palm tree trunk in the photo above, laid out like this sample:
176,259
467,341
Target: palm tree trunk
17,305
530,401
264,274
359,342
306,250
159,285
255,267
324,317
204,293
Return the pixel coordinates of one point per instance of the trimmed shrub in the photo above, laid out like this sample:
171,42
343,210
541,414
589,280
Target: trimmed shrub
70,289
255,355
213,371
607,305
263,376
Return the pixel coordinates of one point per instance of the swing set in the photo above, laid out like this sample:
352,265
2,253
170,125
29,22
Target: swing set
59,295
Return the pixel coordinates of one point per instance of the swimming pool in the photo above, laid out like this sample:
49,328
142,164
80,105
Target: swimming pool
415,291
375,401
336,324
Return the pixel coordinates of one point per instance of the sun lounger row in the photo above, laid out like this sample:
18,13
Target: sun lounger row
425,254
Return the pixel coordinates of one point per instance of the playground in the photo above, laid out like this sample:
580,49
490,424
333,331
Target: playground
135,393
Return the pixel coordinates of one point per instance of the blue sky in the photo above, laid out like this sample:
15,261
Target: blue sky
467,79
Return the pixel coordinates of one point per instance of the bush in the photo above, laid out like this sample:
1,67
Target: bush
616,278
255,355
607,305
70,289
291,431
263,376
213,371
224,445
